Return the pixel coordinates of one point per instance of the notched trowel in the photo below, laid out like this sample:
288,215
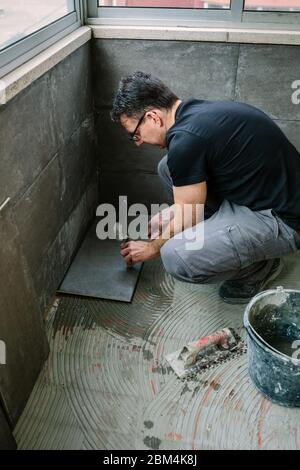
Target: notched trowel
206,352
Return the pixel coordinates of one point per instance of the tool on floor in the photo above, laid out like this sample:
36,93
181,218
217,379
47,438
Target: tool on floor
206,352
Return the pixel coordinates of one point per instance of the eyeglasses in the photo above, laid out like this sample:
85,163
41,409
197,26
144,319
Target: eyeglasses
133,135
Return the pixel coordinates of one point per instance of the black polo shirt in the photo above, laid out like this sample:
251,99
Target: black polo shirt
240,152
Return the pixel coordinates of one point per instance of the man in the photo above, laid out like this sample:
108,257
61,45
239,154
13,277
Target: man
234,160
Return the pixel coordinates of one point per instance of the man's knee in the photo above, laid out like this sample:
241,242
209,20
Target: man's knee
185,266
170,258
175,265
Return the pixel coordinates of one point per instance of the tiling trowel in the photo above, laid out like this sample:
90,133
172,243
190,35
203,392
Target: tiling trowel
206,352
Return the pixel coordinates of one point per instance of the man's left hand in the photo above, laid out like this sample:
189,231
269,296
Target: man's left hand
138,251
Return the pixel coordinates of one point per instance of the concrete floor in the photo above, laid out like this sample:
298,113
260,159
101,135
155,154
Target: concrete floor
106,385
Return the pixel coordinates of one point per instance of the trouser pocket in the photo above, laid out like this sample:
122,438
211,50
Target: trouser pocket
218,255
263,241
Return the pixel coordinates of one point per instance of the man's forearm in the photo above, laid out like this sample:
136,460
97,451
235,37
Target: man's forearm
184,217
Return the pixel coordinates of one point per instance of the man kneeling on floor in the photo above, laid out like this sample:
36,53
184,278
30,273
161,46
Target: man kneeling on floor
229,158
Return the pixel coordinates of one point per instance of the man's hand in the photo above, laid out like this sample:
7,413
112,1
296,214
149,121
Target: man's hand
137,251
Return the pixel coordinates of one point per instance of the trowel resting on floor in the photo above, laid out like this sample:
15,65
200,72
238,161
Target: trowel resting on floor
206,352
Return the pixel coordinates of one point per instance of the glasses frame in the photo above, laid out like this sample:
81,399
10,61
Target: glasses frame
133,137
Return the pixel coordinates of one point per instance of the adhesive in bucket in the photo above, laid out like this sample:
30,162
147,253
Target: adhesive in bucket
272,320
278,325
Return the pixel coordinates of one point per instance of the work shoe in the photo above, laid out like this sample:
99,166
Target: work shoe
241,291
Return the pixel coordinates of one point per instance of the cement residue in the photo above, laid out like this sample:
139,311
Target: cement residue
152,442
279,325
148,424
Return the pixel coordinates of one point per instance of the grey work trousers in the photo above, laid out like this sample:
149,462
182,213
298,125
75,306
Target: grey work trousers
238,243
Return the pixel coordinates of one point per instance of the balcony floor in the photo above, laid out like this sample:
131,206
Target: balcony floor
106,384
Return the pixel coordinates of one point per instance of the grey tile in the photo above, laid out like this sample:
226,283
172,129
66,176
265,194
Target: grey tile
50,200
28,140
92,197
138,187
21,323
118,153
264,79
98,270
70,86
205,70
91,153
38,215
77,160
57,259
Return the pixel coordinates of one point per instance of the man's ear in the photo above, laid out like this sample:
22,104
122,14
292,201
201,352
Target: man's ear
152,114
157,115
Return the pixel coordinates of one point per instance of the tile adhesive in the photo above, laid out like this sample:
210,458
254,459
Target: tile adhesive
107,385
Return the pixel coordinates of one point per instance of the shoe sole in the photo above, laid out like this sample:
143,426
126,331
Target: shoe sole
246,301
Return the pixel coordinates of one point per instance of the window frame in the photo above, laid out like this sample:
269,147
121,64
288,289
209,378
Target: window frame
25,49
235,17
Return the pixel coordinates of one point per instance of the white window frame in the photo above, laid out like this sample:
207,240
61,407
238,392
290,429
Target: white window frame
234,17
21,51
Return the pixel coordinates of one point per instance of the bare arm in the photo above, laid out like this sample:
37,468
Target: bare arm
186,212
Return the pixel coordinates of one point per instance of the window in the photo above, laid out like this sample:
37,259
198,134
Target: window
272,5
217,13
165,3
29,26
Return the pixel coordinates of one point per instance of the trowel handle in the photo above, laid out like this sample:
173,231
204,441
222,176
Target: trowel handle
219,337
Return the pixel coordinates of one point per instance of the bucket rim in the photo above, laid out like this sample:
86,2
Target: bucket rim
250,329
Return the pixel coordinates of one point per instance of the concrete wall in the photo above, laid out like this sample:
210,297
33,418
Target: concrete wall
48,168
257,74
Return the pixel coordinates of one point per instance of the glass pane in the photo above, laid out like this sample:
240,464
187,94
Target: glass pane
20,18
165,3
272,5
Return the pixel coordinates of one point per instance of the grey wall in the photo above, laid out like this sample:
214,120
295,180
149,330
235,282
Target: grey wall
21,325
257,74
48,168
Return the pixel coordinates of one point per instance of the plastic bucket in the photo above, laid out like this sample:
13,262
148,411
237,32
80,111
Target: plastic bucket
272,321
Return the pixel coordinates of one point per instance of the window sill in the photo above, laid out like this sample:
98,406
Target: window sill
15,81
230,35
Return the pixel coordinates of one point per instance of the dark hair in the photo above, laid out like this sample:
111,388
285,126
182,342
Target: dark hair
140,92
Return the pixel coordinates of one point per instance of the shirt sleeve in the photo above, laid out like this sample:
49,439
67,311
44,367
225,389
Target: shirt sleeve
187,159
